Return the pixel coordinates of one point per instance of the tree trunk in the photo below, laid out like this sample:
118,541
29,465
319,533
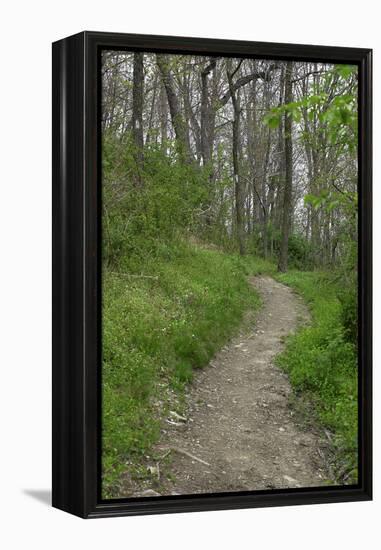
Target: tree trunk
207,115
287,197
152,111
238,185
192,121
177,118
137,115
163,117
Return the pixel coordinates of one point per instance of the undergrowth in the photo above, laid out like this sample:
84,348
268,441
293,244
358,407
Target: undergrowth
162,318
321,362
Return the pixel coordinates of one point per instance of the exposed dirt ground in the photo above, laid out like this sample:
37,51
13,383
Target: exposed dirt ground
239,432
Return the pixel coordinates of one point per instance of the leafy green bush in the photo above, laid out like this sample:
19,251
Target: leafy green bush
348,294
349,316
322,363
137,219
300,251
161,319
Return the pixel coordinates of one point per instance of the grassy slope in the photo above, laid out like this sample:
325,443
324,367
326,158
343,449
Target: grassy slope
323,365
155,332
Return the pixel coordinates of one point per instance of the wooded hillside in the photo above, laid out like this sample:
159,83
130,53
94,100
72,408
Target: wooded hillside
213,170
253,155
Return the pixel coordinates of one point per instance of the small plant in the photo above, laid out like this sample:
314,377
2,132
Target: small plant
322,363
163,317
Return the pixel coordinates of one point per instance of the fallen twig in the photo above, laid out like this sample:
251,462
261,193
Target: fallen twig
182,452
177,416
164,456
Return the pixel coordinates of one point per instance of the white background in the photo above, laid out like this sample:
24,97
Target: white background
27,30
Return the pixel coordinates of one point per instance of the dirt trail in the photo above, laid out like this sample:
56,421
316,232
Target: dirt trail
240,432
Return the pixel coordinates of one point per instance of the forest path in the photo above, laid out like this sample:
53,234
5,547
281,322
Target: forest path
240,432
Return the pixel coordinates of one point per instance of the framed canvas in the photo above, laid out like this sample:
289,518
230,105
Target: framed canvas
211,274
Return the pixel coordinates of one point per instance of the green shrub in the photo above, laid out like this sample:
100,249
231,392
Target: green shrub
322,364
349,316
137,220
300,250
155,332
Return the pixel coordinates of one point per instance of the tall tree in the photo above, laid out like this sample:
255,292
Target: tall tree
163,116
137,114
238,183
287,196
207,114
178,120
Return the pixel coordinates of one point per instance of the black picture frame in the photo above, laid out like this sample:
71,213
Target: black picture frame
76,275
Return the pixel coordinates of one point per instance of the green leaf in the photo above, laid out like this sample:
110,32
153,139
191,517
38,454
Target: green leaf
332,205
313,200
345,71
272,119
